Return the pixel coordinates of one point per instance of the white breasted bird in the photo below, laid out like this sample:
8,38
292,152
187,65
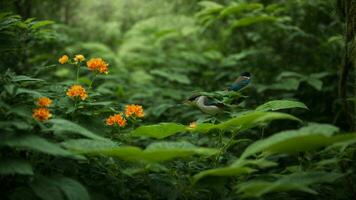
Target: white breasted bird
211,105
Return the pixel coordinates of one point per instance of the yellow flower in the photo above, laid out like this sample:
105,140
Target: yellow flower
193,125
117,119
44,102
79,58
77,91
63,59
41,114
134,110
98,64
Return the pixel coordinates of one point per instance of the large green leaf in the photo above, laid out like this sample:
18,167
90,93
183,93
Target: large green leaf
21,78
252,119
247,21
15,166
59,188
304,139
237,168
82,144
71,188
280,104
62,126
159,131
238,8
223,171
36,143
298,182
159,151
244,121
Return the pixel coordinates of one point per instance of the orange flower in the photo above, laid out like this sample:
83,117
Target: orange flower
134,110
77,91
193,125
44,102
63,59
79,58
98,64
41,114
117,119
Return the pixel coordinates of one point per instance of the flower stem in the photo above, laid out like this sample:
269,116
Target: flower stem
91,84
78,67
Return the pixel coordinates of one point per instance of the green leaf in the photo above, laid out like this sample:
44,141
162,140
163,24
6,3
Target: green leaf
159,131
239,167
160,151
24,78
252,119
15,166
59,188
36,143
315,83
62,126
223,171
80,144
280,104
42,23
236,9
244,121
294,182
71,188
247,21
46,189
304,139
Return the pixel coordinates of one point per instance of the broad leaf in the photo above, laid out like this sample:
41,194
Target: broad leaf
159,131
252,119
244,121
15,166
36,143
159,151
236,9
59,188
280,104
298,182
62,126
304,139
237,168
247,21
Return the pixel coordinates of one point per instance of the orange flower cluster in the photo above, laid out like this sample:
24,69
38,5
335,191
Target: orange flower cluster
63,59
116,119
98,64
41,114
77,91
134,110
44,102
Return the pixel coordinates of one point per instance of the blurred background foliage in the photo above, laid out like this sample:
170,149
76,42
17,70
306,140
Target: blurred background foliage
172,48
160,51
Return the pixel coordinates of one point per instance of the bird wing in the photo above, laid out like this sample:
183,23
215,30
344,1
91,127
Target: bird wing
239,85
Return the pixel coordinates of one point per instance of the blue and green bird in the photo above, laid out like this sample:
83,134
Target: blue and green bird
212,106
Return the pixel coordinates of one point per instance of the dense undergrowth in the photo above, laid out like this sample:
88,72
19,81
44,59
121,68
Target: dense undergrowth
92,108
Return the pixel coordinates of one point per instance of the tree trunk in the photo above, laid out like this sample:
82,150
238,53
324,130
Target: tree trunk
349,64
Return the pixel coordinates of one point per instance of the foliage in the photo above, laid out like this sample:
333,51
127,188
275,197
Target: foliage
115,80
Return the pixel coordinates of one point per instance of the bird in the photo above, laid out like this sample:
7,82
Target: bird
206,104
241,82
210,104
